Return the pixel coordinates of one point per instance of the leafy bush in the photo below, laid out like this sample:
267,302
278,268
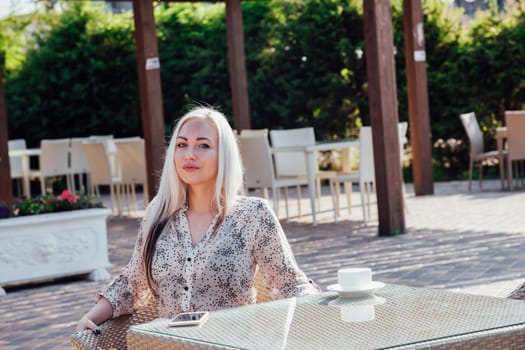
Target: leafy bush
78,78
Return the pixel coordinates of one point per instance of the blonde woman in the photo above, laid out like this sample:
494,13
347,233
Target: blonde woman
200,241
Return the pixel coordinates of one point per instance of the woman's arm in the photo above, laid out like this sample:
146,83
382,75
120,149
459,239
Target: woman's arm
99,313
119,296
276,261
129,288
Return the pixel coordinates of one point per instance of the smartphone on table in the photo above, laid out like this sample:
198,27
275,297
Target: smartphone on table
189,319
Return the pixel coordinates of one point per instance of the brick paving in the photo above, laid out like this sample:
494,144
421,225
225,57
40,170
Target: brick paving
464,241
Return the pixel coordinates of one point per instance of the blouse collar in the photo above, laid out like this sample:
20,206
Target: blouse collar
186,206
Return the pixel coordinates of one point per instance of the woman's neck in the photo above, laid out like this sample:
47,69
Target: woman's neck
201,201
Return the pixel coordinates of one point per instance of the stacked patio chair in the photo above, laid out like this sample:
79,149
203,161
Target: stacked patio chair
131,158
259,171
515,121
365,176
292,163
478,156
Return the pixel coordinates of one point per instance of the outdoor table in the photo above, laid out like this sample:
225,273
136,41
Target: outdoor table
312,165
396,317
25,154
501,135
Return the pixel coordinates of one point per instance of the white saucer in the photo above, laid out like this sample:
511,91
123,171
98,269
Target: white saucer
364,300
346,293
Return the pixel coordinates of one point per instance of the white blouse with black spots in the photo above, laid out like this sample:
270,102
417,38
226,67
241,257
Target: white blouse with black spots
219,271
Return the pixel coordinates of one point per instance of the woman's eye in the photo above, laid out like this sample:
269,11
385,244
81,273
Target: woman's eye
181,145
204,145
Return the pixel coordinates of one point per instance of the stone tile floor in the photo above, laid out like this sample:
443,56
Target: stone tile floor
471,242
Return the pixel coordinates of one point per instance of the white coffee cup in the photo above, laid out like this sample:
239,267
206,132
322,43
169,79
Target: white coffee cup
354,278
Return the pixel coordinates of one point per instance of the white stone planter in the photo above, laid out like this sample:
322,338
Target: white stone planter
53,245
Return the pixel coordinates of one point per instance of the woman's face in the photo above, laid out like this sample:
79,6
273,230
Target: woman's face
197,153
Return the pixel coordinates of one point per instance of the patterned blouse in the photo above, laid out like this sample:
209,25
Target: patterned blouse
219,271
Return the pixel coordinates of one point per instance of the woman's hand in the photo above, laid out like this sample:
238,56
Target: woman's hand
100,312
86,323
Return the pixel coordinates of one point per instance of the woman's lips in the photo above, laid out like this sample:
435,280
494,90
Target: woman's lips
190,167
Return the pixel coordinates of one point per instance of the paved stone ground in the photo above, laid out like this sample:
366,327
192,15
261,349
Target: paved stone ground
471,242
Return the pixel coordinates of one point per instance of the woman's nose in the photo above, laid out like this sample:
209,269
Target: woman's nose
190,152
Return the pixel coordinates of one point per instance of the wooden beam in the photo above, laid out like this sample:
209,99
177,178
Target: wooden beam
419,119
237,65
148,66
382,96
6,188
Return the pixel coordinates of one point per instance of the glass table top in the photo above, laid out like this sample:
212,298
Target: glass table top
394,316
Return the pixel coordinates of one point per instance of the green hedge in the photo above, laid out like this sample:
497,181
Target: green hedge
73,73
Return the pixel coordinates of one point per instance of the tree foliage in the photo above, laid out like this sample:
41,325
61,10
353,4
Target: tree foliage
73,73
78,78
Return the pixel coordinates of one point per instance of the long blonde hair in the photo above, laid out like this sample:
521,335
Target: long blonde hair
172,192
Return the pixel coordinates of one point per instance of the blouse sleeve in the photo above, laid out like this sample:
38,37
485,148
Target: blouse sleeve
275,258
130,289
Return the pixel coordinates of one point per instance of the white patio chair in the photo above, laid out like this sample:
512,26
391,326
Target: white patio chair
101,137
259,170
78,164
515,121
131,158
478,155
294,163
54,162
402,128
365,176
15,163
101,173
248,132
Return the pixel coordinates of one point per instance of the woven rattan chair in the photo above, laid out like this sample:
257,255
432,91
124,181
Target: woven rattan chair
518,293
113,332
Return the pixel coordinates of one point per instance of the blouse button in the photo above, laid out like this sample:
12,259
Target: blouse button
189,259
186,288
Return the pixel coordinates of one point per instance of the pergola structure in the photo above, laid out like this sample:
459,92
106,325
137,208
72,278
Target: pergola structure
381,89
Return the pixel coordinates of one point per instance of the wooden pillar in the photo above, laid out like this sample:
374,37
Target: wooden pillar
237,65
148,66
420,134
382,96
6,188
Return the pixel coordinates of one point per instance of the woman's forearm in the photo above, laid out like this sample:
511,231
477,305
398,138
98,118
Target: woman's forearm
99,313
